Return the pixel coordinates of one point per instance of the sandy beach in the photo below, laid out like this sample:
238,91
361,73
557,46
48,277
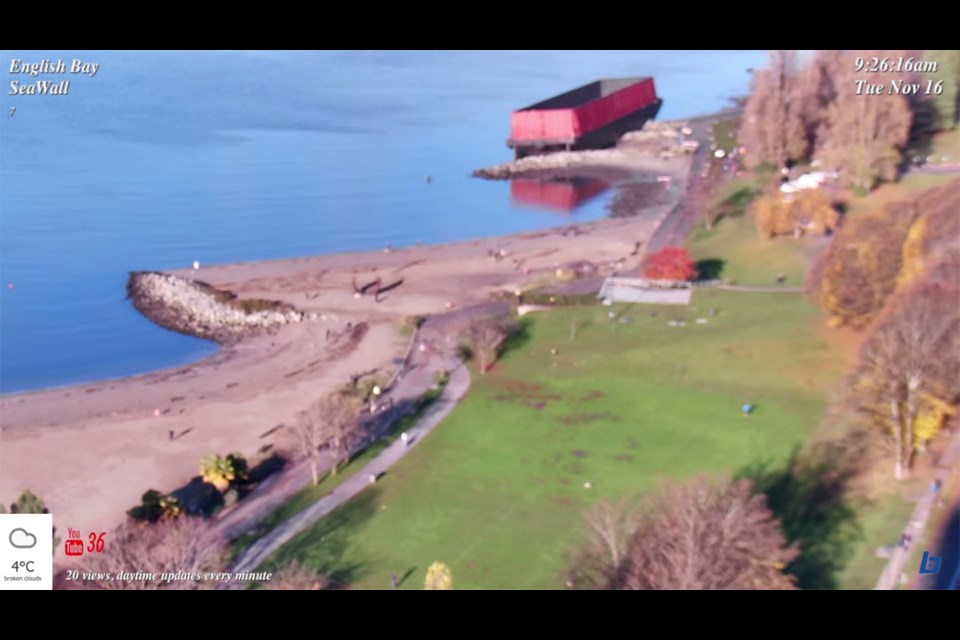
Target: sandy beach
91,450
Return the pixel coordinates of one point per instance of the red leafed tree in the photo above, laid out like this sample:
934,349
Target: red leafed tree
670,263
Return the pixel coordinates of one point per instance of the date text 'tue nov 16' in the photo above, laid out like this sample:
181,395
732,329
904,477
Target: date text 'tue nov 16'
899,88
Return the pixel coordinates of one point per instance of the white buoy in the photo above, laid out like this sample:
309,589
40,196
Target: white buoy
196,265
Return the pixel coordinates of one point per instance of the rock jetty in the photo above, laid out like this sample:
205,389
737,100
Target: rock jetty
657,140
199,309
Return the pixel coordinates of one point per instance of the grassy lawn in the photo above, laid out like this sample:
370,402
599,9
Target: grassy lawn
725,135
498,491
749,259
893,192
879,524
328,482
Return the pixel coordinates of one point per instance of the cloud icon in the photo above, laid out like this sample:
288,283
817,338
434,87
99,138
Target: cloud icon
22,539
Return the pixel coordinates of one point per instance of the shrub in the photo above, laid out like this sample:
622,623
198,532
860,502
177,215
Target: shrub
222,472
149,510
670,263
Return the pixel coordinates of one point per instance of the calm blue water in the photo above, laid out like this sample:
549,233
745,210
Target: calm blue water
165,158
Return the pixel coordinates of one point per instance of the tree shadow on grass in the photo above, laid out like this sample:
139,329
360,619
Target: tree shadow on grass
326,545
518,338
709,269
406,576
736,203
809,496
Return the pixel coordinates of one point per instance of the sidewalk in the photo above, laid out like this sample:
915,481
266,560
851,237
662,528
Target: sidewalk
456,388
412,380
893,572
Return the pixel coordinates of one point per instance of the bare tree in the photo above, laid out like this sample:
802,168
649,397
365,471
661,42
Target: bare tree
946,266
815,90
295,576
772,127
863,136
332,421
166,555
486,336
700,535
911,359
610,528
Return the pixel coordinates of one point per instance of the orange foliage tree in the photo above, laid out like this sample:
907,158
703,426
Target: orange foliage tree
906,378
875,254
806,212
670,263
935,232
860,268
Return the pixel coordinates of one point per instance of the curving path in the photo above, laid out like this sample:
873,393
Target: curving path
456,388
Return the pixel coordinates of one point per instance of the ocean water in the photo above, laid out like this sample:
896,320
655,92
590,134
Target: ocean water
161,159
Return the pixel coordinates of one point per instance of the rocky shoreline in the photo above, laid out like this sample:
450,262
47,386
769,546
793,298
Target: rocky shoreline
657,142
198,309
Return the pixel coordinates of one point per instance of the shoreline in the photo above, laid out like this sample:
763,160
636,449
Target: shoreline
611,164
346,256
91,449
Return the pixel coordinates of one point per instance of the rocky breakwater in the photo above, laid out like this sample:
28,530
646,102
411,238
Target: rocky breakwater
649,148
542,165
199,309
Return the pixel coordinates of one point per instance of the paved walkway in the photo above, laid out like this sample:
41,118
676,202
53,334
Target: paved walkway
893,572
676,228
456,388
737,287
415,377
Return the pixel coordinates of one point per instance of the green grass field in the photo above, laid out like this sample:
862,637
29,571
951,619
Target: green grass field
749,259
328,482
725,134
879,524
497,492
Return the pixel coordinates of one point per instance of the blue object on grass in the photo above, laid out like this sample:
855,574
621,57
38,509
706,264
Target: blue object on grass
748,409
